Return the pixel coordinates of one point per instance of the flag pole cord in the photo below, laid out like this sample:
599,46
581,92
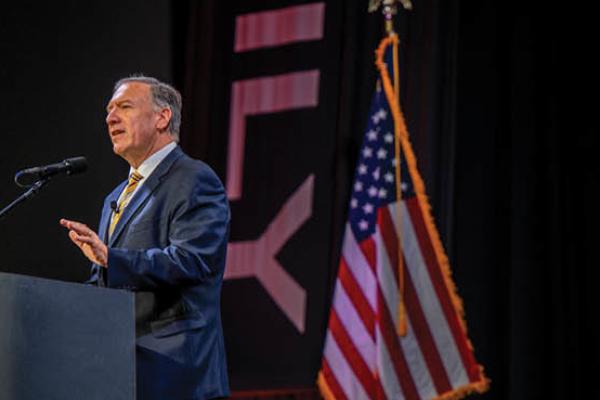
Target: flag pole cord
402,323
389,9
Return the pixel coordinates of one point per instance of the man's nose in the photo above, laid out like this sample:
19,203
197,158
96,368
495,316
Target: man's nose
112,117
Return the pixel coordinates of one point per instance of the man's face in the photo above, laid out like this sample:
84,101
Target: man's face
132,121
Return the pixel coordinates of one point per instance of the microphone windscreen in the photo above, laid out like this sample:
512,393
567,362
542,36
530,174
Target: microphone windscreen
76,165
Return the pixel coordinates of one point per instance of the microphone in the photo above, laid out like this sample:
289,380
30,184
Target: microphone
70,166
114,206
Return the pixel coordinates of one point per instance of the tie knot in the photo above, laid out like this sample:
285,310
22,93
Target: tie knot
135,176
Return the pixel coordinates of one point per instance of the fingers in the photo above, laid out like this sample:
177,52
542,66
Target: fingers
79,233
79,240
65,222
87,240
78,227
91,240
74,238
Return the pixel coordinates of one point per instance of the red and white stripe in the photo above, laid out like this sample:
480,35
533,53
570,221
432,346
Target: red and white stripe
364,358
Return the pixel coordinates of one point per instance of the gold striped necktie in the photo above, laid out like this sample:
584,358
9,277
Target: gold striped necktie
134,180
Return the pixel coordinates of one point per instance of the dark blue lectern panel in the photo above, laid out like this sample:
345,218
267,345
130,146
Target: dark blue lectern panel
65,341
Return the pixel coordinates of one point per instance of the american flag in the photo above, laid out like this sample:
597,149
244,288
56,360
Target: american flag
364,357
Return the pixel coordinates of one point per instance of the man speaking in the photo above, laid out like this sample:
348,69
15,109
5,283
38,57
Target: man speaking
163,235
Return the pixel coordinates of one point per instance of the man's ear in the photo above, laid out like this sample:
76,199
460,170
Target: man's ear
164,117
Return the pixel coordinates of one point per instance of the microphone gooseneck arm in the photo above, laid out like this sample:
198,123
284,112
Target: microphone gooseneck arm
31,192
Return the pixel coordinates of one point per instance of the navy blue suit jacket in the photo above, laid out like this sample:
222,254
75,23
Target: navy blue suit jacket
169,248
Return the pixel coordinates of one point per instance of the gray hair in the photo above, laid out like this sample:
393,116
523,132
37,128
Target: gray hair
163,96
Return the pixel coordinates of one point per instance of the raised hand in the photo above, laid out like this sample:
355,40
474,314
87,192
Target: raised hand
88,241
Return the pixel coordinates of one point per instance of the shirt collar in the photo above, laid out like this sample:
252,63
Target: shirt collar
150,164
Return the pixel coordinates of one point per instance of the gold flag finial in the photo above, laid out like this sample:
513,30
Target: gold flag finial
389,9
375,4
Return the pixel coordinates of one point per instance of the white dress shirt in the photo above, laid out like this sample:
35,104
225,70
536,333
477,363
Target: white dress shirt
147,167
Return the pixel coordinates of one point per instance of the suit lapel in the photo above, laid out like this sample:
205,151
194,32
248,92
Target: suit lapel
139,198
107,211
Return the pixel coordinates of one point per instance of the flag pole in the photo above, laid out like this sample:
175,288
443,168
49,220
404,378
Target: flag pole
389,9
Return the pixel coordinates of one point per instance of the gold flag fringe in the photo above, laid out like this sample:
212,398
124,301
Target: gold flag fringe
324,388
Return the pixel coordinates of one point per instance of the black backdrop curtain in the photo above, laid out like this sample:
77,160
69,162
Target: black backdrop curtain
523,218
499,101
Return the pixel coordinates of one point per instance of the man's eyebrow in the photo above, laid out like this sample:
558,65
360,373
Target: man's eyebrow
117,103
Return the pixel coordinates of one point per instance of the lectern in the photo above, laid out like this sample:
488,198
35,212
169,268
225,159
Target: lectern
63,341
